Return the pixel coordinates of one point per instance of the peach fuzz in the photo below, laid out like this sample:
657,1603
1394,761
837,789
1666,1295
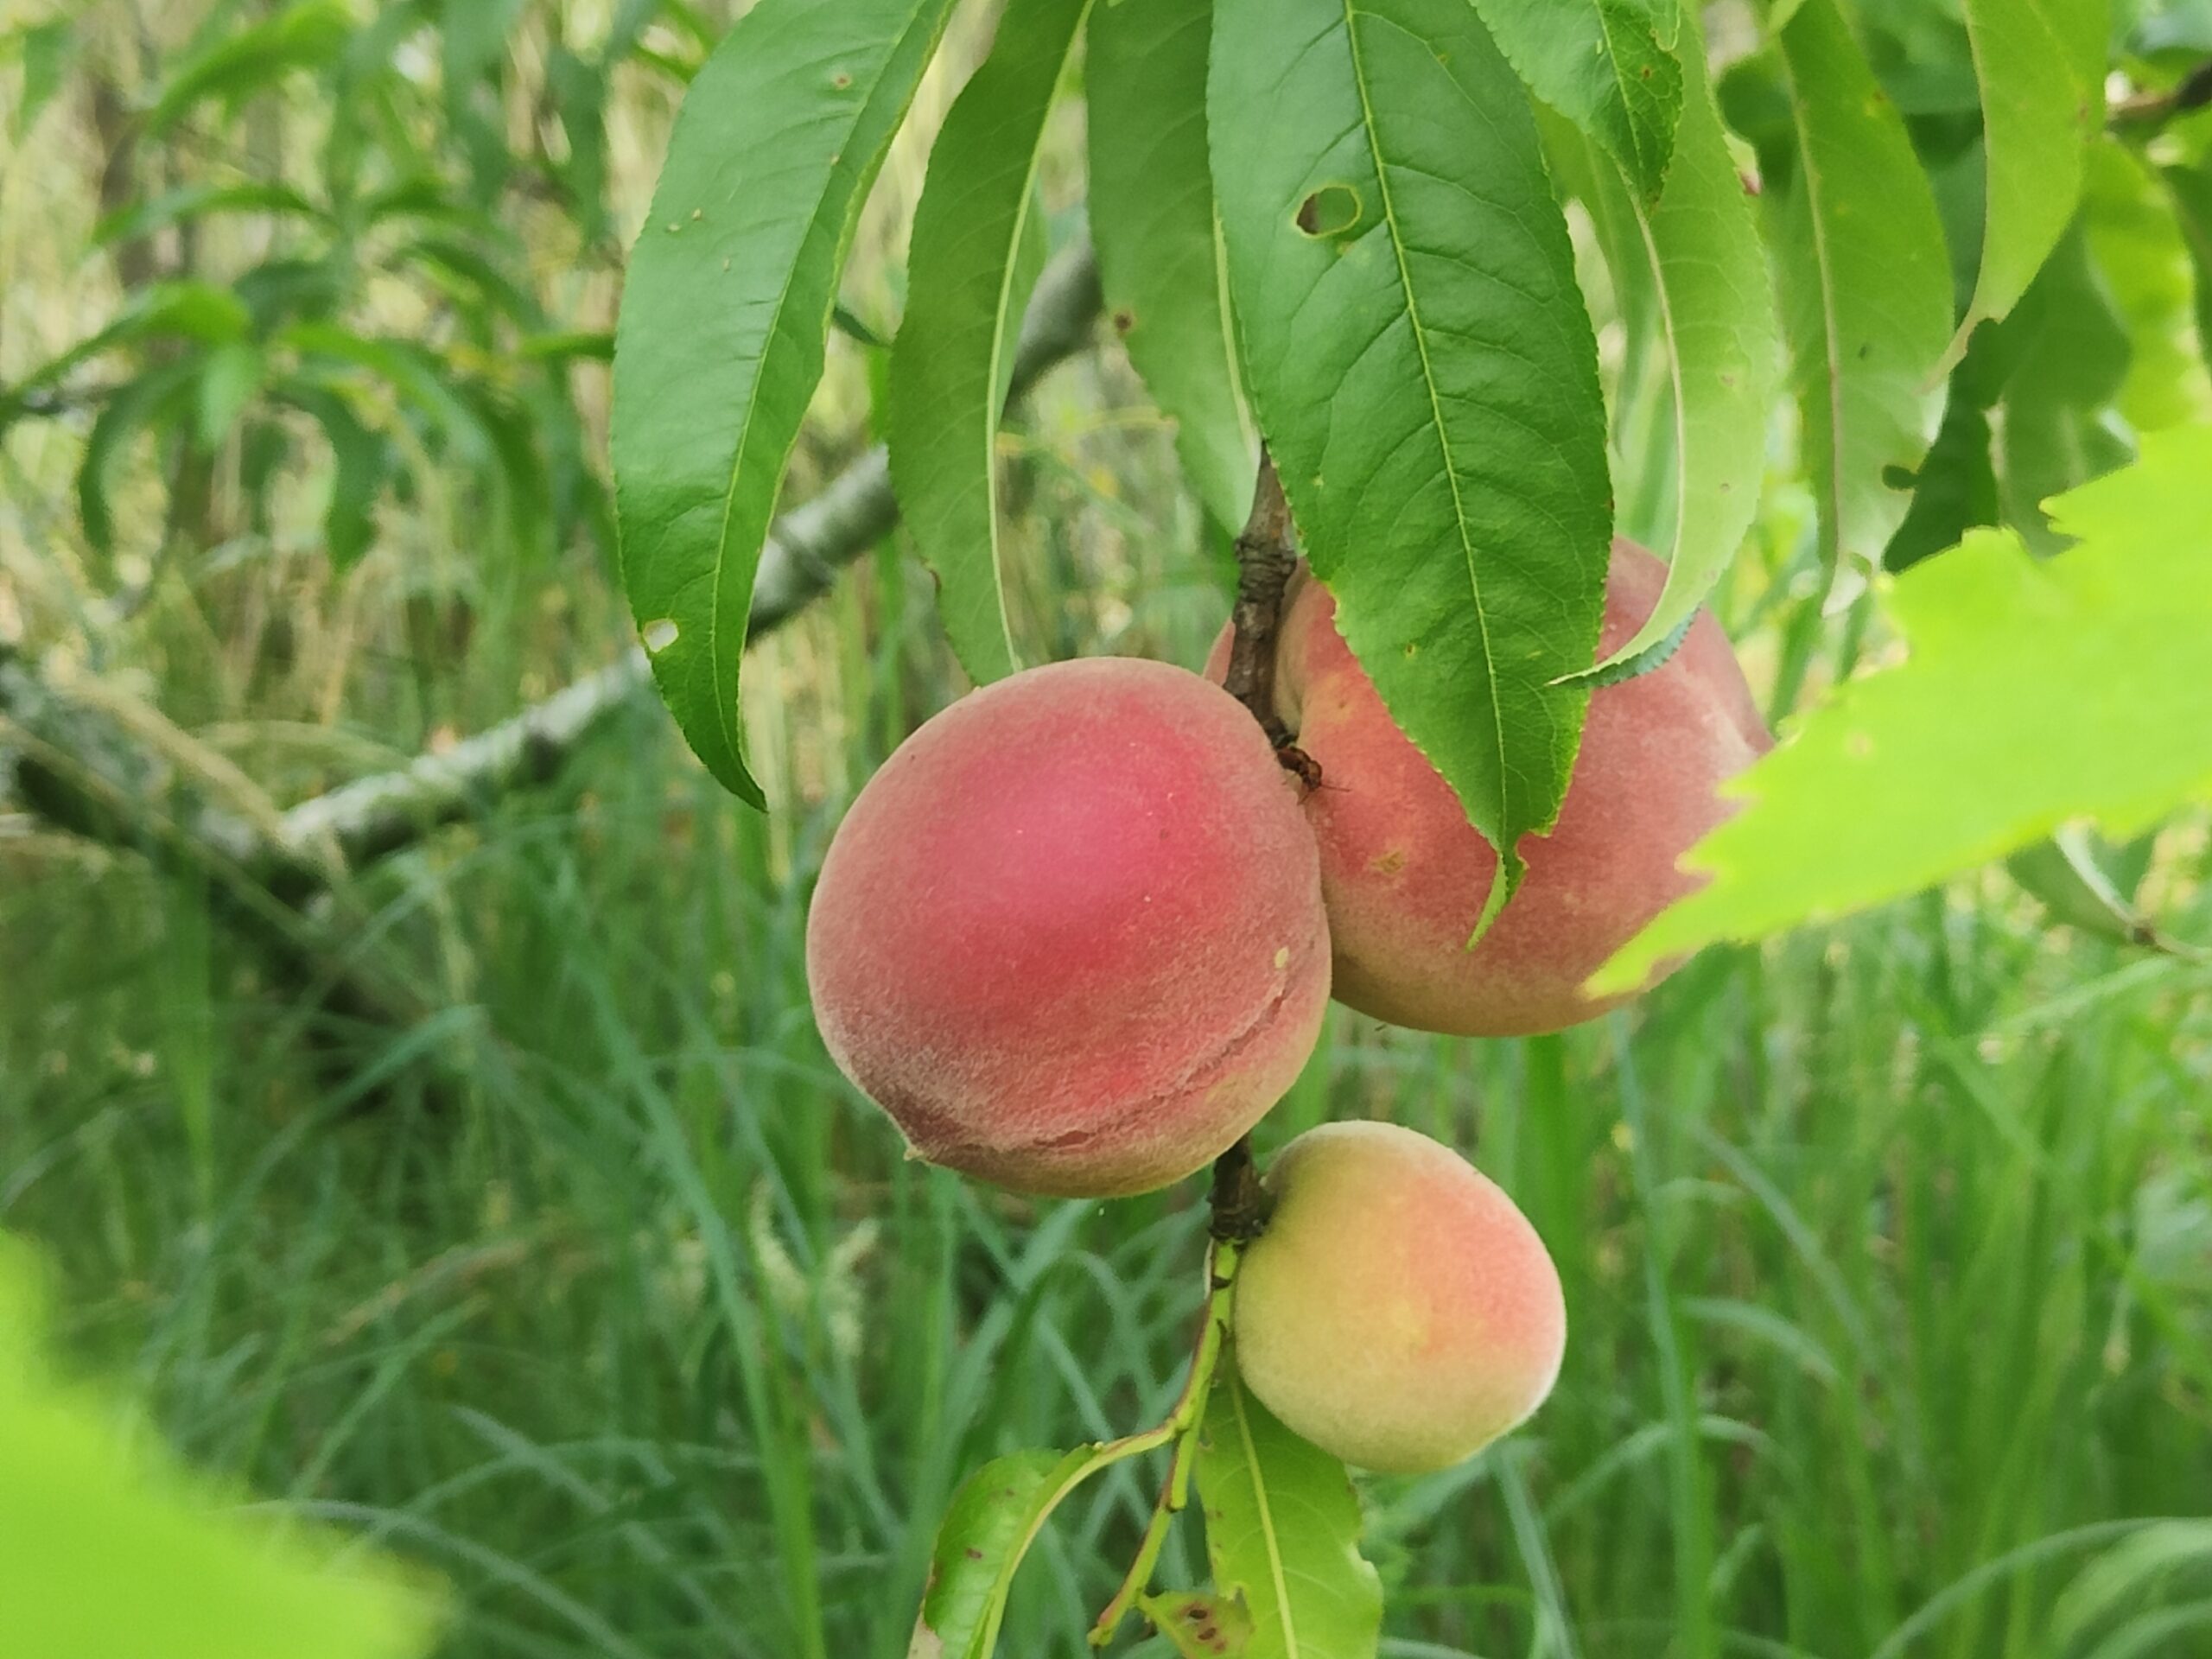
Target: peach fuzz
1398,1312
1069,937
1405,874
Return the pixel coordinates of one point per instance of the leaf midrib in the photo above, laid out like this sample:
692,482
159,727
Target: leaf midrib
1829,323
1435,404
1275,1570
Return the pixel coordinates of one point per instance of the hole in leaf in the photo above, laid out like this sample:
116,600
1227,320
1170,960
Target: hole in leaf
660,635
1333,210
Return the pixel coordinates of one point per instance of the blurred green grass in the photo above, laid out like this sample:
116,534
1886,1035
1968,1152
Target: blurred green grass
1887,1248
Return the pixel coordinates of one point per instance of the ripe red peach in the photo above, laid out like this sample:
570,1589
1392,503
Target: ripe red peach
1405,874
1399,1311
1069,937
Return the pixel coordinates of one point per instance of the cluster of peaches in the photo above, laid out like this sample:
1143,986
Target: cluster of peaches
1077,936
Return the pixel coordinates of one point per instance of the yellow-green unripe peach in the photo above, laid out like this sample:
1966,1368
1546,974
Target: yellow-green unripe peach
1069,937
1405,874
1399,1310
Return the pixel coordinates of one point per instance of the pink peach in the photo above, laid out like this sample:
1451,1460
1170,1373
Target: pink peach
1405,874
1070,937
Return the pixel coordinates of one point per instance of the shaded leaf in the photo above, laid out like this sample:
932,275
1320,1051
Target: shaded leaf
1282,1532
977,248
725,315
1152,217
1715,310
1423,369
2069,353
2025,703
1866,285
2040,64
1608,66
994,1518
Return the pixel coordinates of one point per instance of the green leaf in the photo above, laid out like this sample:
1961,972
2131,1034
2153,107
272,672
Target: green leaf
159,396
977,248
725,315
1608,66
1282,1532
994,1518
107,1548
1200,1626
1424,375
2041,67
2139,248
196,202
2191,188
1716,311
46,50
2035,693
1152,217
2069,352
1865,286
228,380
307,35
1957,489
2064,875
360,464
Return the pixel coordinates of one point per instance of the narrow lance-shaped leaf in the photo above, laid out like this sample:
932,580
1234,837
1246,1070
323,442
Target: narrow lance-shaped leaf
1717,312
2035,692
2040,64
976,249
1608,66
994,1518
1282,1531
1152,216
1424,372
2138,244
1865,286
725,312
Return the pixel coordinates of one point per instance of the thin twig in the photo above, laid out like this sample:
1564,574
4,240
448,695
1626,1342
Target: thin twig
1267,555
2155,110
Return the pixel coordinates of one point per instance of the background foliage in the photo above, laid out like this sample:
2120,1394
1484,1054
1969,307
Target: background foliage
508,1213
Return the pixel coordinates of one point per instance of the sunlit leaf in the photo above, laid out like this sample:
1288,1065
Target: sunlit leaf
107,1548
2033,693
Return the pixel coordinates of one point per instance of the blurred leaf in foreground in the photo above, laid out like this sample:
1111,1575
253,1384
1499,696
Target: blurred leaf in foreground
107,1548
2035,693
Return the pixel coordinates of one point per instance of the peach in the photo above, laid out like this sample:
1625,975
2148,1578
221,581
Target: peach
1405,874
1069,937
1399,1311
